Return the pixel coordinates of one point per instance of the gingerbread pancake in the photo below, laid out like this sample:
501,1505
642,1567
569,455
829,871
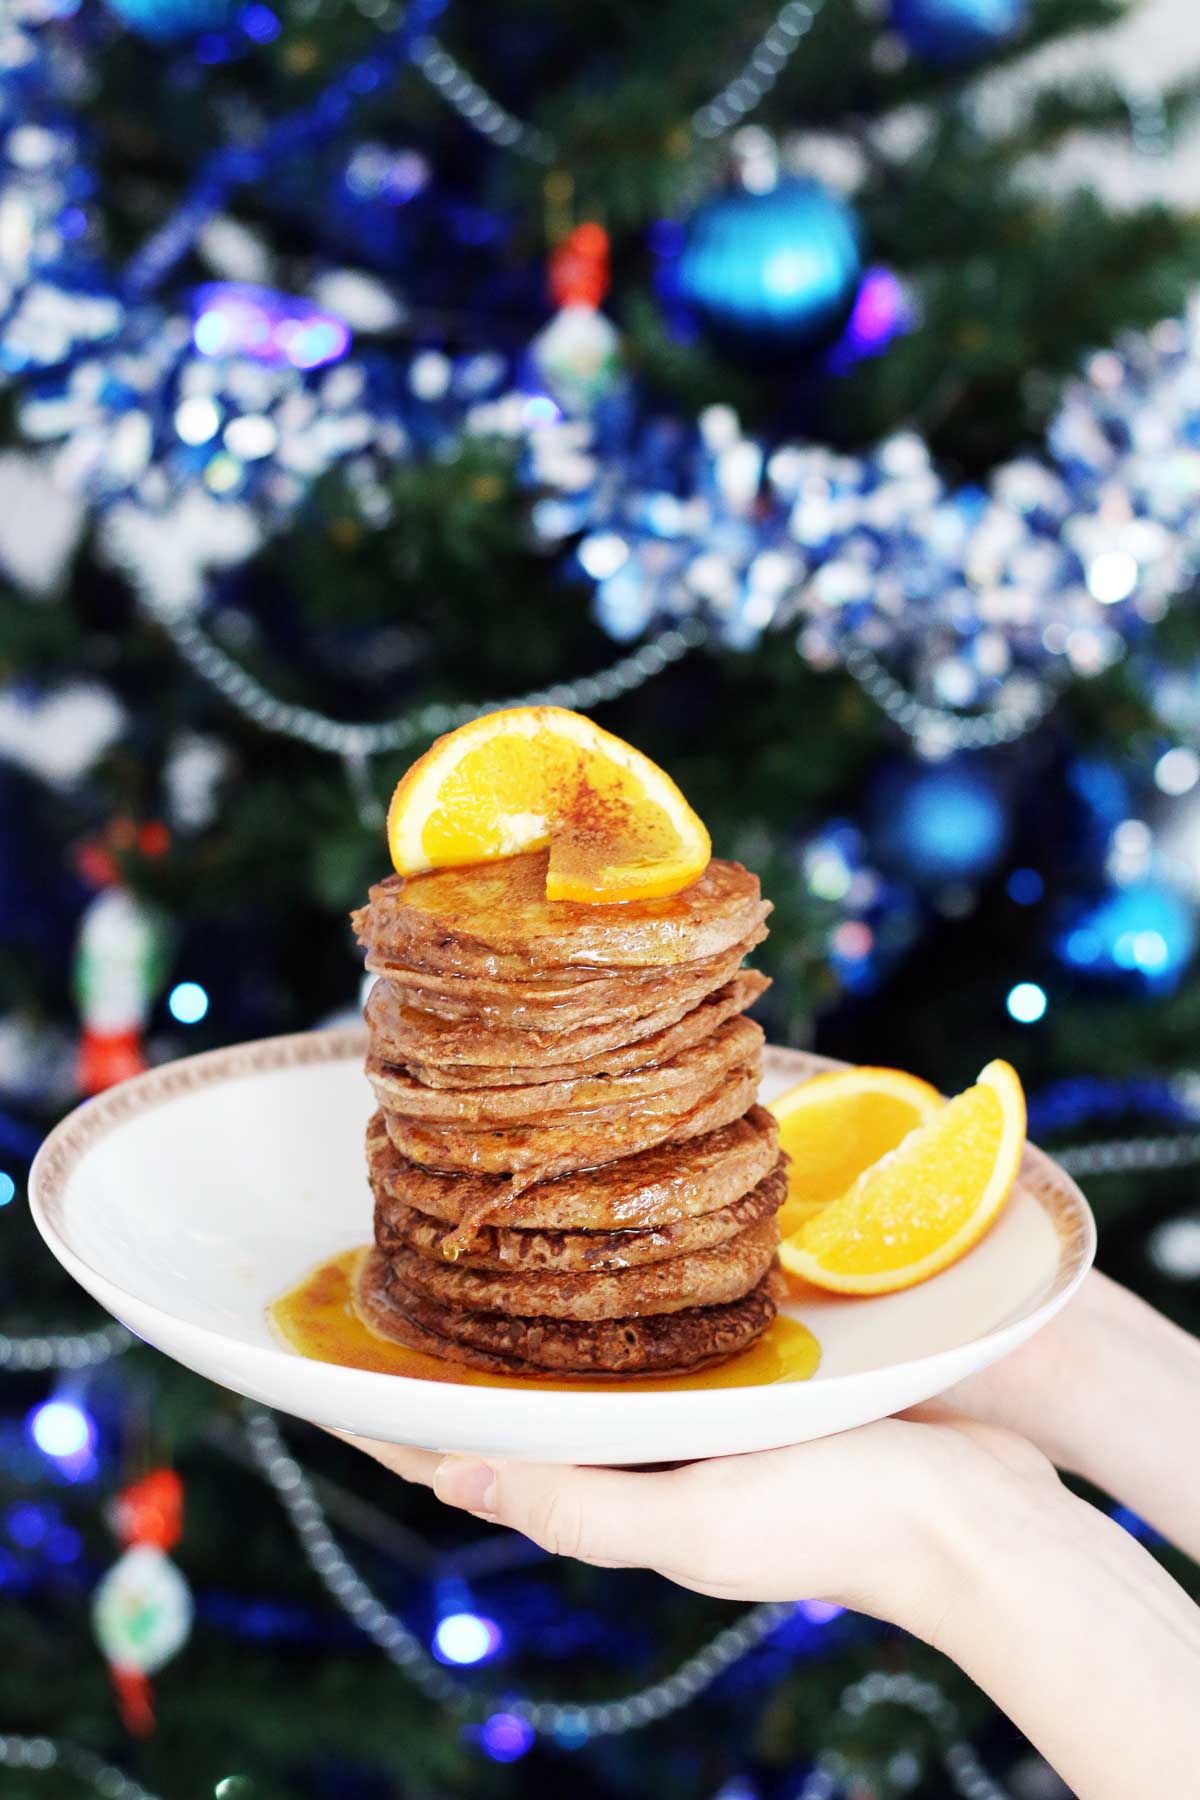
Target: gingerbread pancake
654,1188
577,1252
595,1000
672,1086
539,1152
660,1344
493,919
408,1038
701,1278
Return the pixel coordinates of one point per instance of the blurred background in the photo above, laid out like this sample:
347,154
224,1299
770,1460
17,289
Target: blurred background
813,394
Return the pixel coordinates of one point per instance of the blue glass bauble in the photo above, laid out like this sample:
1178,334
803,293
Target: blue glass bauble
952,31
774,272
1144,932
167,21
939,824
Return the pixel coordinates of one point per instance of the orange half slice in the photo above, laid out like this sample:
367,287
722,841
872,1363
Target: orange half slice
536,777
836,1125
924,1203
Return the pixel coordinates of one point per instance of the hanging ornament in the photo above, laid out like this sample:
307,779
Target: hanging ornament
142,1609
953,31
118,964
577,356
942,825
771,272
169,21
193,774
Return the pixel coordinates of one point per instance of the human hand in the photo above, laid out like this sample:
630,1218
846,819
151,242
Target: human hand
1109,1390
868,1518
957,1530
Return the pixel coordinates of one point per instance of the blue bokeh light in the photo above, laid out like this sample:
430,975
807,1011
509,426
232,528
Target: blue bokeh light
465,1637
61,1429
940,824
211,334
187,1002
1026,1002
540,409
1144,929
260,23
821,1612
27,1524
239,318
506,1737
8,1187
1025,887
63,1545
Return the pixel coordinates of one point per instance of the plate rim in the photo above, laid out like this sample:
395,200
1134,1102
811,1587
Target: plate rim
93,1119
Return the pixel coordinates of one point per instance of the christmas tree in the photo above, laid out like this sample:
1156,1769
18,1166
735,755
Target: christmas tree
733,374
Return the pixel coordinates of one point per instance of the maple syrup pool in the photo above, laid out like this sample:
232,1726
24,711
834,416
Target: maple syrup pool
317,1319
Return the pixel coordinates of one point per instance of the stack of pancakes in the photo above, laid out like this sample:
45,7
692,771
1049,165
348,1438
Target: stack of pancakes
571,1175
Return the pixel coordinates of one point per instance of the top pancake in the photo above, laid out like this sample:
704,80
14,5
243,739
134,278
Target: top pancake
493,919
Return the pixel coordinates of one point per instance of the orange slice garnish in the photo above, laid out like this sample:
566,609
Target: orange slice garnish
836,1125
924,1203
533,777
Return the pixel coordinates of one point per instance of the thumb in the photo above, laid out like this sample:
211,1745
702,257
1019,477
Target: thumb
605,1516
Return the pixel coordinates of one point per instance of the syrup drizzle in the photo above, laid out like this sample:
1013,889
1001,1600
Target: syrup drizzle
317,1319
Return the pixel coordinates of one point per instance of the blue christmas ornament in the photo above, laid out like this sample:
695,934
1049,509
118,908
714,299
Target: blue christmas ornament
167,21
939,824
953,31
1143,931
771,272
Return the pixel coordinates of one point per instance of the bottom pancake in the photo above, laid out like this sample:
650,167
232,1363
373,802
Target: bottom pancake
663,1344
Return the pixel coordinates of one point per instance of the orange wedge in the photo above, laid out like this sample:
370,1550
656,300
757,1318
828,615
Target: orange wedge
836,1125
533,777
924,1203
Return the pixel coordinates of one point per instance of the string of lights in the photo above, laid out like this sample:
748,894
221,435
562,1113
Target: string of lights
43,1755
968,1776
63,1349
1132,1156
255,702
933,728
728,107
936,729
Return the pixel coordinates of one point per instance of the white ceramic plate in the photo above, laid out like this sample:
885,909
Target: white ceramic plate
188,1199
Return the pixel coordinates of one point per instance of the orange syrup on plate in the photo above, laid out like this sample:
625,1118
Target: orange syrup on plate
317,1319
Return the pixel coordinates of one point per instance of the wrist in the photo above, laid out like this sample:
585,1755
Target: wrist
976,1516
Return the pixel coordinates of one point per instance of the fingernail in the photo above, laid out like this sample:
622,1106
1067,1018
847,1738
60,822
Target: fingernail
471,1485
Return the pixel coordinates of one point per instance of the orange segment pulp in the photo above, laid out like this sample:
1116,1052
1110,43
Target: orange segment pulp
836,1125
529,777
923,1204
